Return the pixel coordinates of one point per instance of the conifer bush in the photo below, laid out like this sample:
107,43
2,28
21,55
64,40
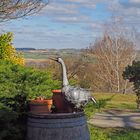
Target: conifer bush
132,73
19,84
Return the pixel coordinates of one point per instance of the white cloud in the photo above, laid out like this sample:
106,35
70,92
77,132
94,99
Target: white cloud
73,19
128,11
134,1
84,3
67,10
59,9
81,12
67,19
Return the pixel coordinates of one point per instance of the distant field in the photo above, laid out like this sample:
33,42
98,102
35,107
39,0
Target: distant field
37,60
44,54
35,55
38,63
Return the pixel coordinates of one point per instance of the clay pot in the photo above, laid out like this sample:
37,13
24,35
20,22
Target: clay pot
40,106
58,101
49,102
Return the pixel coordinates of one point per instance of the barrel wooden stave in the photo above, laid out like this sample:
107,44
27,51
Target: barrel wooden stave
59,127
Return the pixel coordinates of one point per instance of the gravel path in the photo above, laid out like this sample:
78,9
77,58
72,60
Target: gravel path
117,119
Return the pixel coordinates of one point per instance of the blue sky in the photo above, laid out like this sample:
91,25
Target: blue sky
71,23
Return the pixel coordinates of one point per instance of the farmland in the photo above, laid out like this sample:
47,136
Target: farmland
44,54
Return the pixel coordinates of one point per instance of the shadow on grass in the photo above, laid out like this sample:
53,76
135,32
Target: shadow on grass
91,108
101,103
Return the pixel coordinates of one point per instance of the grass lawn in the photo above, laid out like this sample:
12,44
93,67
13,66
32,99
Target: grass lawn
108,101
113,134
117,100
111,101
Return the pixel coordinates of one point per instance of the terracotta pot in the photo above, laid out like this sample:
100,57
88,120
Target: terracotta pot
49,102
58,101
40,106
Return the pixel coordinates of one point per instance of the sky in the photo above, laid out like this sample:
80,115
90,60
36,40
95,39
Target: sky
71,23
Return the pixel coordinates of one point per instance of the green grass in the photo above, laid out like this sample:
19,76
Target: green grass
107,101
117,101
97,133
113,134
125,134
111,101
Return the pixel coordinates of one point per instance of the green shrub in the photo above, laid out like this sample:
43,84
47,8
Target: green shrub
132,73
19,84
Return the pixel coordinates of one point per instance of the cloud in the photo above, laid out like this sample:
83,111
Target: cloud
83,3
72,23
73,19
73,11
131,4
126,10
68,11
134,1
60,8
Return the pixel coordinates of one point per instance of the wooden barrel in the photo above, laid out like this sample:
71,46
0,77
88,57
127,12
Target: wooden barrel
62,126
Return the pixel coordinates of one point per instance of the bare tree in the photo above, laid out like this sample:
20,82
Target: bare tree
113,53
12,9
